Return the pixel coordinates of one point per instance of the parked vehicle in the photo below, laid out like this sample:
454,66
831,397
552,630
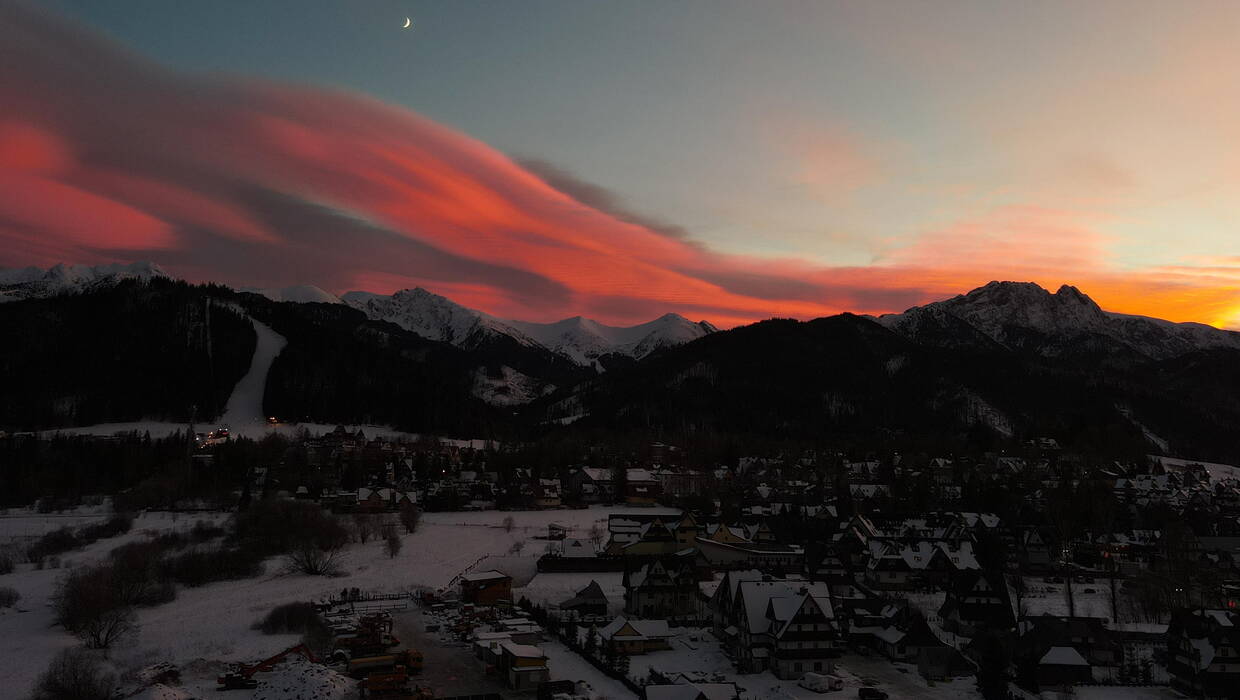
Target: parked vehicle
821,682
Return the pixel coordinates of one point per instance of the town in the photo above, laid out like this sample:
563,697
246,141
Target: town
665,572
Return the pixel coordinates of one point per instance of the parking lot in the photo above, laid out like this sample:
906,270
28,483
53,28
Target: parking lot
449,667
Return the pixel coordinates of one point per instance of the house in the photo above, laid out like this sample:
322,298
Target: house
664,588
785,626
1063,667
630,636
591,485
642,489
1204,652
523,666
651,538
975,601
580,549
547,493
486,588
587,603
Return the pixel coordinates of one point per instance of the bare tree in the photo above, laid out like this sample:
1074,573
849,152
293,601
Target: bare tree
74,674
391,543
108,627
364,526
596,535
517,547
89,604
410,517
311,558
509,523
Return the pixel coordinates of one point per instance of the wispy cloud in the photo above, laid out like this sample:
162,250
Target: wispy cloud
105,156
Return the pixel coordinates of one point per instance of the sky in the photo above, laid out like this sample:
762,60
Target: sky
723,159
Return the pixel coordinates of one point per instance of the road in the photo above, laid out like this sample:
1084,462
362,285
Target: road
447,670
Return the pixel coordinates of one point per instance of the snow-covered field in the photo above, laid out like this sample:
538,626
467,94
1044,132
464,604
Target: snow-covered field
208,627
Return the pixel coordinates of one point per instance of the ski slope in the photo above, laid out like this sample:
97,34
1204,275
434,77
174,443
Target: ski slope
245,405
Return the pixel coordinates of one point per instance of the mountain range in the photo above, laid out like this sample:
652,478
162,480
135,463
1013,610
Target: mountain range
584,341
1007,361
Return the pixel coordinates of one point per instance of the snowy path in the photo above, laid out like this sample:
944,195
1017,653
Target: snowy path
245,406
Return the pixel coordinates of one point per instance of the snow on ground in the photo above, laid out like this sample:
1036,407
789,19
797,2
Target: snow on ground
23,524
1089,599
548,589
567,665
1217,472
245,405
208,627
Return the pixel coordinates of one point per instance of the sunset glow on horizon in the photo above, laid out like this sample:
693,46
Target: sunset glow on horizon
110,153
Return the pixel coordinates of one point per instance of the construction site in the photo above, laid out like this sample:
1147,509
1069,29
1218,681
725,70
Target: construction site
420,646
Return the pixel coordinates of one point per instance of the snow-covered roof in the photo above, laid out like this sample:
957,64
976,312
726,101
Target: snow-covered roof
484,576
645,629
1063,656
525,651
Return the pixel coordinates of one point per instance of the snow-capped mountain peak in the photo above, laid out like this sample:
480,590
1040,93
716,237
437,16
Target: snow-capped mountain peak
301,294
33,282
1023,314
580,339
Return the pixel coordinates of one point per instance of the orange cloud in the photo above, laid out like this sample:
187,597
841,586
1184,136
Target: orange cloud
253,183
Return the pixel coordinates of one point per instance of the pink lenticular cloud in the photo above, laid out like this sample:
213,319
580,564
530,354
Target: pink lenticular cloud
105,156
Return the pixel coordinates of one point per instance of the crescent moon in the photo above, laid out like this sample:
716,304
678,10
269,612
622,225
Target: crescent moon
407,24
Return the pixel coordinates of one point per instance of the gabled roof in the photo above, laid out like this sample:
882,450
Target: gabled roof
635,630
1063,656
590,595
484,576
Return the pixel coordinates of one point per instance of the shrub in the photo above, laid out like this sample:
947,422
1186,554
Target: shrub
118,524
90,603
7,564
277,527
410,516
204,531
52,543
291,618
200,566
9,597
74,675
391,543
309,558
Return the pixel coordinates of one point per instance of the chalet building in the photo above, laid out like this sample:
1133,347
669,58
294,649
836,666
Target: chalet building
803,634
631,636
665,588
977,601
787,627
589,603
903,566
1204,652
547,493
902,634
486,588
